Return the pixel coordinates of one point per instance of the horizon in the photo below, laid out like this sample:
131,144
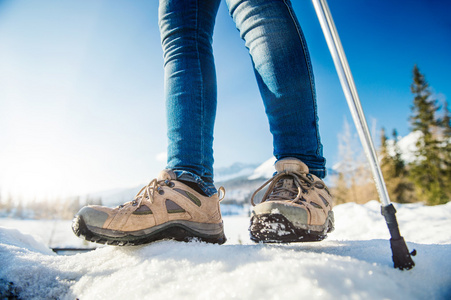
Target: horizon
81,87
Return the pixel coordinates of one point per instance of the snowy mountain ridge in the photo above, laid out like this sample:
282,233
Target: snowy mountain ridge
236,170
240,180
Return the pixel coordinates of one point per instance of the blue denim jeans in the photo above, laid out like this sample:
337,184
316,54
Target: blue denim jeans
282,68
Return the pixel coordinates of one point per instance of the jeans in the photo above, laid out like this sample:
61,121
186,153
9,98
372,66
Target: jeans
282,68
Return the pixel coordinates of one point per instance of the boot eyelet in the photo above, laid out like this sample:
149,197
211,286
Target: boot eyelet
171,184
309,176
319,185
161,192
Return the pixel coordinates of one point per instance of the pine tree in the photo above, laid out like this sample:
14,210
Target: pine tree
384,156
445,124
400,167
424,108
427,171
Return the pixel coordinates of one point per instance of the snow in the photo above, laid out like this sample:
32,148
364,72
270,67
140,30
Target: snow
265,170
353,263
407,146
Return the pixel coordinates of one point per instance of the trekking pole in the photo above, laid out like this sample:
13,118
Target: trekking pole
401,257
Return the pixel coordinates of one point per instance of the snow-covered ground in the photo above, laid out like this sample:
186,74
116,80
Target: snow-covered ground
353,263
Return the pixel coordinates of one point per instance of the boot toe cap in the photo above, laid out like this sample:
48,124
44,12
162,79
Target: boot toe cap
92,216
294,213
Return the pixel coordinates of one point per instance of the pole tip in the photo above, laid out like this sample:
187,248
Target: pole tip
402,258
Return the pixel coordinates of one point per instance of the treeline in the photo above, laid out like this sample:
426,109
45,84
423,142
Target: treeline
64,208
425,177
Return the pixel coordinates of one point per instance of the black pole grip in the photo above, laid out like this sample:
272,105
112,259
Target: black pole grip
402,258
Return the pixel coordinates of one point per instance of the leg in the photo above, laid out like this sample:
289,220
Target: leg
284,75
170,206
297,206
190,84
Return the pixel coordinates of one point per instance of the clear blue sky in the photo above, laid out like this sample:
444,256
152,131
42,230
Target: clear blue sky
81,86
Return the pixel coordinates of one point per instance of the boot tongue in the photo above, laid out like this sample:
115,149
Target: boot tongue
285,187
291,165
167,174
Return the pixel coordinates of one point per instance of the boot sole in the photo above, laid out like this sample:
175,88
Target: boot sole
184,231
275,228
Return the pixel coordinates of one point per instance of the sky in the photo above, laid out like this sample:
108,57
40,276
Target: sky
81,86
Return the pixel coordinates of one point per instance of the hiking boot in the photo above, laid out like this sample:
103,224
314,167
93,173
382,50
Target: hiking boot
164,209
297,206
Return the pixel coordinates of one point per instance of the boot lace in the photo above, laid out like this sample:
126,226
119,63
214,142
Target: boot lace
154,186
277,191
148,191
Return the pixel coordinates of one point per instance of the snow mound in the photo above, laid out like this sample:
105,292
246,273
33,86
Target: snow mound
13,239
353,263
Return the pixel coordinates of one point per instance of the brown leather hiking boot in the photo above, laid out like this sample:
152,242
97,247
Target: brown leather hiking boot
164,209
297,207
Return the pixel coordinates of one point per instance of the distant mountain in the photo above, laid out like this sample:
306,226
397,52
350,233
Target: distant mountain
265,170
236,170
240,180
240,188
116,197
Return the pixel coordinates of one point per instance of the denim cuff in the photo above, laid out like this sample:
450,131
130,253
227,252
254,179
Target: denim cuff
320,173
207,187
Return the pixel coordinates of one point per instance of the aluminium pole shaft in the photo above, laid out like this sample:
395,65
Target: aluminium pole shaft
401,256
350,91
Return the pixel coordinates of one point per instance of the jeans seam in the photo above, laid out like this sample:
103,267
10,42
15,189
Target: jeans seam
309,68
306,53
202,158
